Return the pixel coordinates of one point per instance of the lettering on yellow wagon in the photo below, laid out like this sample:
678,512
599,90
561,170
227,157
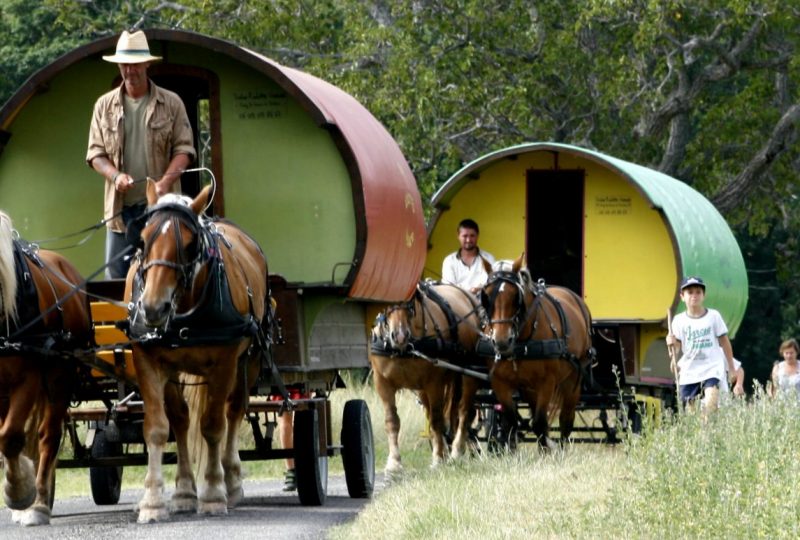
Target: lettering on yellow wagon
612,205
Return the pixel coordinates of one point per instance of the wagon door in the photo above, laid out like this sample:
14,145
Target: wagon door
199,90
554,226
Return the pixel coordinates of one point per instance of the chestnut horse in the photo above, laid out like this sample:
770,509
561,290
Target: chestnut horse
198,294
439,322
540,342
44,323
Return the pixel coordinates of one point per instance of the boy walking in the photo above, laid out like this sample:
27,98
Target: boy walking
702,335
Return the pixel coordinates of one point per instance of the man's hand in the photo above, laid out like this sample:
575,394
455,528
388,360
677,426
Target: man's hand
123,182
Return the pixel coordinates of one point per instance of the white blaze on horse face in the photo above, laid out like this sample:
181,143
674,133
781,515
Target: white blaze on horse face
158,291
503,333
399,330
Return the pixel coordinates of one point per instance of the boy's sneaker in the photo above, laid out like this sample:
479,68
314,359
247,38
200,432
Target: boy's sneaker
290,480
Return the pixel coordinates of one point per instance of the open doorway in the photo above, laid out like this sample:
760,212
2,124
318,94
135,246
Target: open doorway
199,90
554,226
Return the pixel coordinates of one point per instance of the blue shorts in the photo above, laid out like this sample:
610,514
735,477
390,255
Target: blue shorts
691,391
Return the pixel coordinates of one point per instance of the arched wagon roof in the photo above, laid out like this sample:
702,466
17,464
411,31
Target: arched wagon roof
389,238
703,243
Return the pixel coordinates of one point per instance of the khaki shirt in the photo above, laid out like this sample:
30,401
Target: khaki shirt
168,134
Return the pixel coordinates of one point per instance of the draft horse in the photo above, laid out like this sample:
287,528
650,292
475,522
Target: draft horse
440,321
538,339
44,326
198,295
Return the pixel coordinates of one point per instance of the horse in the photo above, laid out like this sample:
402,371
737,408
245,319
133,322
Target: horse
44,326
198,295
538,339
439,321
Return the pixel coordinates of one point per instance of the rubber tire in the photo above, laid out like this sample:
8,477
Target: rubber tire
106,482
311,468
358,449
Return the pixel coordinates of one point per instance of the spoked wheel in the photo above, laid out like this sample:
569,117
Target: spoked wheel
358,449
105,481
310,466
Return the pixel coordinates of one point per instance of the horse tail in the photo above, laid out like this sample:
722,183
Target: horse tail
195,392
8,275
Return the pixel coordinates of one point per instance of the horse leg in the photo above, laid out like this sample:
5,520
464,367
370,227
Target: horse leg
20,489
540,420
433,399
566,418
466,413
213,496
152,384
184,499
49,432
391,423
231,463
504,394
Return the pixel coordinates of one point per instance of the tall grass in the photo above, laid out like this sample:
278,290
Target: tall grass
733,476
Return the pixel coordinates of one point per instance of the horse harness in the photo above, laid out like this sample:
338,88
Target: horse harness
528,349
28,333
214,319
435,345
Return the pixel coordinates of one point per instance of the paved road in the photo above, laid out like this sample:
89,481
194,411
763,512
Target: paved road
265,514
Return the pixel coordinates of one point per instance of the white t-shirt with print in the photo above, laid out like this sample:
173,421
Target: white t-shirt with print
702,358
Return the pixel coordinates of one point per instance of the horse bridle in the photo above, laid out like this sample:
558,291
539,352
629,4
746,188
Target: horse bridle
187,258
487,301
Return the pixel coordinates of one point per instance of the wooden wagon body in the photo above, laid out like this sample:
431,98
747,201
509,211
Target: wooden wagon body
620,234
299,164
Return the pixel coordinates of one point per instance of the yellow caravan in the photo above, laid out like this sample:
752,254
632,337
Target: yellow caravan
620,234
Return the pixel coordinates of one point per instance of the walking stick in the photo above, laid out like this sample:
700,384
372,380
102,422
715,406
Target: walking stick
673,364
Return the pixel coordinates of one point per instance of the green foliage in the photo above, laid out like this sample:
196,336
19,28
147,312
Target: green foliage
695,88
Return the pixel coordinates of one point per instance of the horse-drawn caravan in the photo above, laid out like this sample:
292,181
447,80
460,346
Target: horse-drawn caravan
300,165
618,234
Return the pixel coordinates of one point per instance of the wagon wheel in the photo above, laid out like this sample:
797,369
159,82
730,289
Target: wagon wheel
105,481
358,450
311,467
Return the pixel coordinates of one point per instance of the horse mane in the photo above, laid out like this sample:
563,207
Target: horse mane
8,275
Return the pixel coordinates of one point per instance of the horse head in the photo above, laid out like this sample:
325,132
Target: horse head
505,299
172,252
394,325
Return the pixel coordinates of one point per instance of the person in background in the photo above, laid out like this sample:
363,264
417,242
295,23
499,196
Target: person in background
137,131
786,373
286,434
702,335
464,267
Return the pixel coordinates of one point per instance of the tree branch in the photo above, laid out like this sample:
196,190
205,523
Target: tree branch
735,191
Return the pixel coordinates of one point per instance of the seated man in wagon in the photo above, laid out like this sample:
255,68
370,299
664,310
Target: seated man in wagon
465,267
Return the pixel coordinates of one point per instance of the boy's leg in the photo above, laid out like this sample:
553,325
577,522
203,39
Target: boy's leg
688,393
710,401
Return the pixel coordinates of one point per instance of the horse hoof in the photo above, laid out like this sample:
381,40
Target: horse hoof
235,496
38,515
15,501
215,508
152,515
183,504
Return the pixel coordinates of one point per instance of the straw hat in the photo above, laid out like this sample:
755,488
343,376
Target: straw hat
132,49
